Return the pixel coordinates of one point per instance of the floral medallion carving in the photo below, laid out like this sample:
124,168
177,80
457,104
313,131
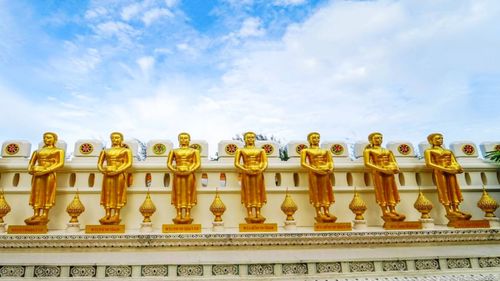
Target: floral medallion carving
489,262
268,148
362,266
159,148
225,269
196,146
294,268
118,271
299,148
154,270
12,271
260,269
394,266
231,148
82,271
47,271
86,148
468,149
12,148
432,264
327,267
337,149
189,270
404,149
458,263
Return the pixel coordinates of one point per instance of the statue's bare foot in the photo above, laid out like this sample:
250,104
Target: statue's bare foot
115,219
105,220
397,217
32,220
463,215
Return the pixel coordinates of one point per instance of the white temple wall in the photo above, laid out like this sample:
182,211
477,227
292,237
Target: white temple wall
279,177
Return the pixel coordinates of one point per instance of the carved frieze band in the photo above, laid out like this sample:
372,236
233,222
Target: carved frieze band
254,239
190,270
82,271
47,271
489,262
394,266
458,263
261,269
428,264
154,270
328,267
225,269
12,271
430,267
362,266
294,268
118,271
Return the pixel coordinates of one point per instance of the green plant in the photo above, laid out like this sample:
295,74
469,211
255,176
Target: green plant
493,155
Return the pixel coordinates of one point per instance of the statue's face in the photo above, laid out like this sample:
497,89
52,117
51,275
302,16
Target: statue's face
314,139
48,139
250,139
437,140
377,139
184,139
116,139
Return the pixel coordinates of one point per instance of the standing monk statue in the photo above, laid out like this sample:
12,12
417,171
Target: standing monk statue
187,161
118,160
319,163
253,191
43,164
445,167
383,166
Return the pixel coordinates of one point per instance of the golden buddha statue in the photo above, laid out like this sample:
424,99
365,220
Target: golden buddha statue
319,163
118,160
253,191
187,161
445,167
383,167
43,164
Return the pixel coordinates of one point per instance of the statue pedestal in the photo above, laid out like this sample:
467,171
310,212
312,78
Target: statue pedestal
73,227
181,228
427,223
104,228
359,225
218,226
290,225
146,227
494,222
2,227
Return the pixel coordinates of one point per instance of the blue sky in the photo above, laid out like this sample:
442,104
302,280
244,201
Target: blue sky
152,69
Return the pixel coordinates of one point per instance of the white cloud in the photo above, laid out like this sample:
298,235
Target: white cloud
96,13
113,28
251,27
155,14
289,2
146,64
130,11
171,3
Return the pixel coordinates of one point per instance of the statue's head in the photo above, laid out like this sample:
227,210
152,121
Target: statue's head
312,136
49,137
116,138
249,137
184,138
374,135
184,135
435,139
116,134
